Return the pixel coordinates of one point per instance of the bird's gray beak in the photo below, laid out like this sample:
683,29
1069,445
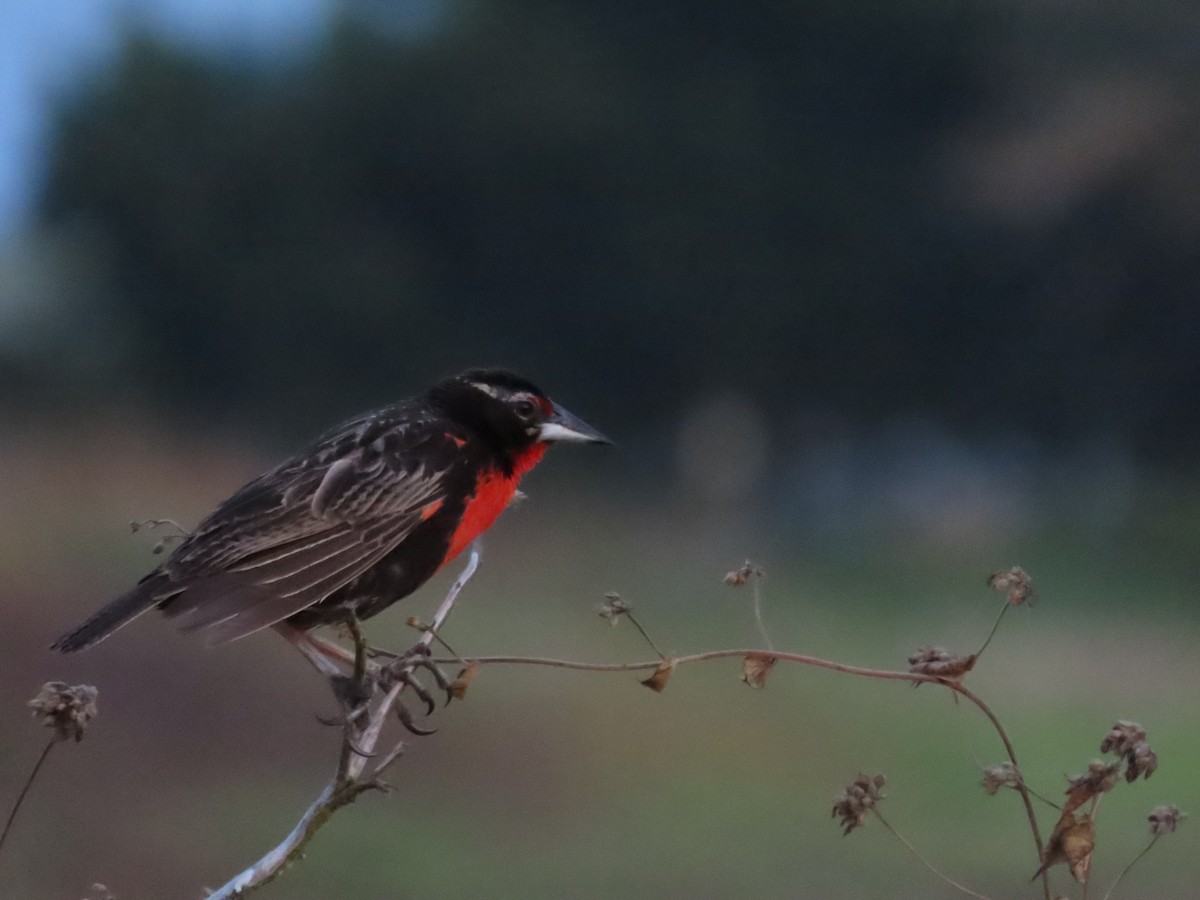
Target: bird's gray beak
563,426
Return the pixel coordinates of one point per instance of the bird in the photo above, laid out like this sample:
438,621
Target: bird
356,521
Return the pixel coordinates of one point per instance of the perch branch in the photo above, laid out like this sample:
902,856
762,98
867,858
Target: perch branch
351,778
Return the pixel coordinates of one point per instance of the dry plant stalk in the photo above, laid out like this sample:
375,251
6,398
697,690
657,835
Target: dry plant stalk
360,737
1072,841
67,710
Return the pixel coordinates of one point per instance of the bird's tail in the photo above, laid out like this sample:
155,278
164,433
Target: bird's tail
148,594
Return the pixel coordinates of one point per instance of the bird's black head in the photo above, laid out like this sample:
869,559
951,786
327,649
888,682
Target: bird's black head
508,411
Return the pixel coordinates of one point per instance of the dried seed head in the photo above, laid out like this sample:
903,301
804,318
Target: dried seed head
1100,778
756,668
613,608
940,662
1127,740
1015,583
1164,819
738,577
1001,775
65,709
1141,761
857,800
1122,738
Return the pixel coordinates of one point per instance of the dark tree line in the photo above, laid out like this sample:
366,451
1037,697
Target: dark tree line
632,201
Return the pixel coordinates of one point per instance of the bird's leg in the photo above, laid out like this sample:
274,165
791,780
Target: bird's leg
354,691
350,674
326,657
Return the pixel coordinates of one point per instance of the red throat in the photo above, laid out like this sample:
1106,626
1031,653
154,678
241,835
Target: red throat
493,492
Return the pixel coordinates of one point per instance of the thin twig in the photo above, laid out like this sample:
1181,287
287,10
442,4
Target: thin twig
992,633
816,662
758,616
645,634
1112,887
930,866
1046,800
358,746
25,789
443,611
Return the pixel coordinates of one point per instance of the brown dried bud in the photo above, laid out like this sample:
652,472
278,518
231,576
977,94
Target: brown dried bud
661,676
857,800
1001,775
738,577
1164,819
940,662
756,668
462,681
1016,583
1100,778
65,709
1072,842
613,608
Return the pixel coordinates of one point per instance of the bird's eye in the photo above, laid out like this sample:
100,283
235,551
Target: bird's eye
525,408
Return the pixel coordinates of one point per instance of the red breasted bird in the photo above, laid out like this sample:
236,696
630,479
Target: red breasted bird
360,519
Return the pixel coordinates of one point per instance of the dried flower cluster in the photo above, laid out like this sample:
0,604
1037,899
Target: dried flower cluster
613,608
738,577
940,662
65,709
999,776
1164,819
1016,583
857,800
1127,740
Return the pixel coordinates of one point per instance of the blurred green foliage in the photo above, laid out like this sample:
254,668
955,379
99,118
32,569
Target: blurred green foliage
634,202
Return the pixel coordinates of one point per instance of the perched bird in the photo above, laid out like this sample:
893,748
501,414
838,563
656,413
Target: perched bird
360,519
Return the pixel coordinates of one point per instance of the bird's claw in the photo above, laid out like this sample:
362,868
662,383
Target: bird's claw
401,670
406,719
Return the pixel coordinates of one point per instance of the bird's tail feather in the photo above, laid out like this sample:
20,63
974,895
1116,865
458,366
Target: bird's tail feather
148,594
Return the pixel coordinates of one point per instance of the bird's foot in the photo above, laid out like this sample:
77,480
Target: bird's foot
354,695
401,669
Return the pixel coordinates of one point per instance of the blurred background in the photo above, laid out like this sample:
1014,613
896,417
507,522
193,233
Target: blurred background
884,296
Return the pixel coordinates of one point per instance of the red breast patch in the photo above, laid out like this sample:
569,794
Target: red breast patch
493,492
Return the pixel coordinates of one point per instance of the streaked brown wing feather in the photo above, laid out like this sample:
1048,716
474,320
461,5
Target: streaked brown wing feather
310,531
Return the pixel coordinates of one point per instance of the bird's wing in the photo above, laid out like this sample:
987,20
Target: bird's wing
294,536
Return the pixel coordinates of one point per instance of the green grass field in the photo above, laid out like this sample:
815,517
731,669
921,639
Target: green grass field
546,783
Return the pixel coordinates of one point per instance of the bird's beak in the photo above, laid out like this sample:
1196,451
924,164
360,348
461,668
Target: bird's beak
563,426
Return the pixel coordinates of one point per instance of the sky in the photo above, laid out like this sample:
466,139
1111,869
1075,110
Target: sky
47,47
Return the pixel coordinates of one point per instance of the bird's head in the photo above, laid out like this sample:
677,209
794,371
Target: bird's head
510,410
